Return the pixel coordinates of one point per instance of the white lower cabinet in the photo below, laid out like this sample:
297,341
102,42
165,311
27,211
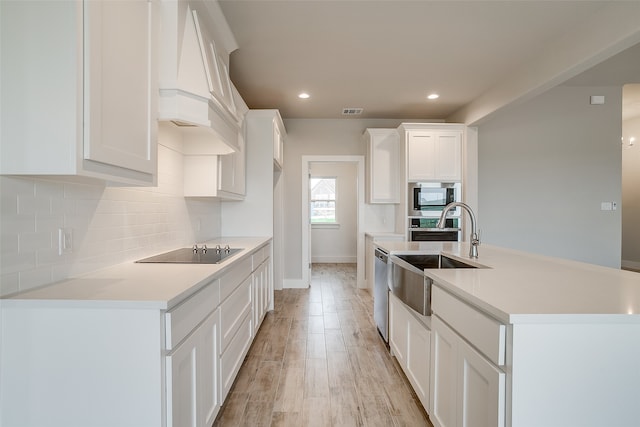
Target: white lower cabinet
262,285
442,407
235,333
96,363
193,392
467,389
233,356
262,293
410,343
481,390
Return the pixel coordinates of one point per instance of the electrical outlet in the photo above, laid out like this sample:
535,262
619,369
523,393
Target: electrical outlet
65,241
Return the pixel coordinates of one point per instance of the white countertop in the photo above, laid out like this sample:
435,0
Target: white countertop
519,287
383,234
133,285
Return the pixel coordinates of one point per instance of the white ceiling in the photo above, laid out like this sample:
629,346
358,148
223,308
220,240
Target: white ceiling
385,56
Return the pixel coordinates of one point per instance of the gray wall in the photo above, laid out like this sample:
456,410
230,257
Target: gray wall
545,166
323,137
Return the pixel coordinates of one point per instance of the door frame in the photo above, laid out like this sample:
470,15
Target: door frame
306,221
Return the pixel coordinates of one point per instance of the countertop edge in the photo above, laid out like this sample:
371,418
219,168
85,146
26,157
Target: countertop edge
517,287
44,296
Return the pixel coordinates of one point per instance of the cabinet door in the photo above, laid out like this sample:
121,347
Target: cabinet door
398,330
120,84
418,359
261,293
182,379
233,356
448,166
269,279
255,302
383,151
278,146
193,384
443,375
208,369
481,390
231,173
421,155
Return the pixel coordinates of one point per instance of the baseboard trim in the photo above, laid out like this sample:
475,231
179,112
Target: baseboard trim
294,284
634,265
334,260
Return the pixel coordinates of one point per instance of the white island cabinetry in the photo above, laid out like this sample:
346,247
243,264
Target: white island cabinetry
467,389
126,353
87,107
529,340
410,343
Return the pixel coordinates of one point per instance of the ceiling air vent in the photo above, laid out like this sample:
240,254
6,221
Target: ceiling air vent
351,111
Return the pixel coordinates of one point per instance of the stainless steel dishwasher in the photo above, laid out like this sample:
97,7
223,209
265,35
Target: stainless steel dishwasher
381,293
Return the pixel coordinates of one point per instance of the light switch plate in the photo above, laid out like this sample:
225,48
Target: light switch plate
597,99
606,206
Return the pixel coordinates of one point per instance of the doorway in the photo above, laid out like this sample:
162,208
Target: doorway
322,166
630,177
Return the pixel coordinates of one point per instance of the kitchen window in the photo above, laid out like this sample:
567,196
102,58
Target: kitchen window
323,200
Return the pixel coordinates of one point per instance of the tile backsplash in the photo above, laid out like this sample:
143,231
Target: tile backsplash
109,225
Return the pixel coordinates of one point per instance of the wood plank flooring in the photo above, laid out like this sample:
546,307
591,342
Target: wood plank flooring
318,361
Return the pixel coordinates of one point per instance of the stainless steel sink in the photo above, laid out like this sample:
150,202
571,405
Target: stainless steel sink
409,283
422,262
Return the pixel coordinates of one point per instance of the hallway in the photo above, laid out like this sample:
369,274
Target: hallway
318,361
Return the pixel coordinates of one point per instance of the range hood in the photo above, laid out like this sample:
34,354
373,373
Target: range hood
194,89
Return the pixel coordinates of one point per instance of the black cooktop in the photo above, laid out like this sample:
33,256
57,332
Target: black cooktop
193,256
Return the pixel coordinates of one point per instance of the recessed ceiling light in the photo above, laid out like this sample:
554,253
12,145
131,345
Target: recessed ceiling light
433,96
304,95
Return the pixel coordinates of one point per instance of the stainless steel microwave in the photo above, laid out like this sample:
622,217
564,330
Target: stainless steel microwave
430,198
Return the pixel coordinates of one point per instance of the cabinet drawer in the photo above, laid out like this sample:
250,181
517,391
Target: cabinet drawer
233,311
182,319
233,356
231,279
482,331
260,255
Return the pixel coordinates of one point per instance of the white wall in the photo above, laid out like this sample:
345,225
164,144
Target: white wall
338,244
631,194
333,137
110,225
544,168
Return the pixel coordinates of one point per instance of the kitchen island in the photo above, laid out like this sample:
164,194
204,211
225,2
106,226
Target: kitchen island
529,340
134,344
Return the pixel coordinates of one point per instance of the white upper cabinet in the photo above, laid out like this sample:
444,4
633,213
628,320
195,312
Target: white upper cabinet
433,153
79,89
232,182
383,165
278,143
212,175
195,92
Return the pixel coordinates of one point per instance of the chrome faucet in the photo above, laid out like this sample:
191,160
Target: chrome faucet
475,241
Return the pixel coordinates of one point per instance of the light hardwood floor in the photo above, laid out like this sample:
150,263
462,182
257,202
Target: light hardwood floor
318,361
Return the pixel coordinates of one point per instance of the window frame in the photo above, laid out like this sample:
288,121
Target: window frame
324,224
